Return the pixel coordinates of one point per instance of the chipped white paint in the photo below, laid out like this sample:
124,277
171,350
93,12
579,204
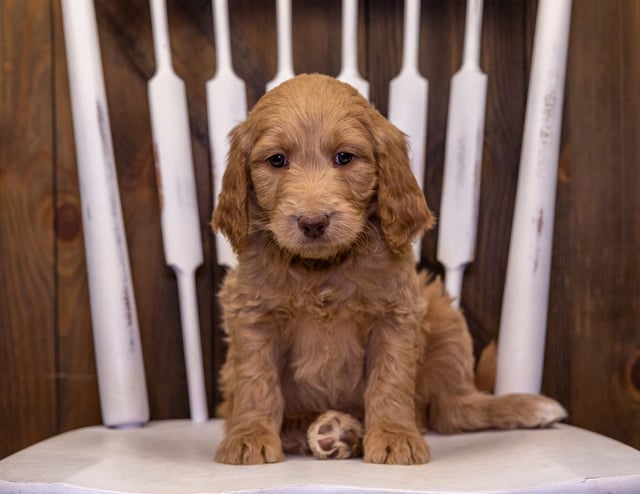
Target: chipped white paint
526,294
409,98
285,51
463,158
349,70
176,183
121,379
226,106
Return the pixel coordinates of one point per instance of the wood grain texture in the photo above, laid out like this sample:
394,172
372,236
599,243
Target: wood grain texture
28,400
597,255
77,380
47,374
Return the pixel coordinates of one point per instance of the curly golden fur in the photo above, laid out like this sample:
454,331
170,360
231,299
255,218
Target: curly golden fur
327,321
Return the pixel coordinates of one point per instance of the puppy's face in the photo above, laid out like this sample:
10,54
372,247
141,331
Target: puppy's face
311,164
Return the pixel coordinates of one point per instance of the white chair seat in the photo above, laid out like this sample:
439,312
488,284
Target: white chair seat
176,456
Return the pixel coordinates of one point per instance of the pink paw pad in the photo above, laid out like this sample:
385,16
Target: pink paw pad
335,435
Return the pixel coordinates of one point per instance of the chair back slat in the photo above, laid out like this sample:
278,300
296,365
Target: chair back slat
176,182
463,158
525,302
121,377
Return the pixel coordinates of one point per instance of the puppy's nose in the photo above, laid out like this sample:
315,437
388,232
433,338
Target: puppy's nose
313,226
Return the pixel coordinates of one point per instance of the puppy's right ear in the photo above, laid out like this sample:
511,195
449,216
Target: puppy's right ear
230,215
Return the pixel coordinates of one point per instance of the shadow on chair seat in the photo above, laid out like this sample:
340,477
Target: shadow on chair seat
176,456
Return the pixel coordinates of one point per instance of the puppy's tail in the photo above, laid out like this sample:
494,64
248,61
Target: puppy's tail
446,383
484,411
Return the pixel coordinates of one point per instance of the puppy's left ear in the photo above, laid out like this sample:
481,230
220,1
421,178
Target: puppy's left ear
402,207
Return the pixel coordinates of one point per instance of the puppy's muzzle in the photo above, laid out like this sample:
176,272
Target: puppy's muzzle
313,226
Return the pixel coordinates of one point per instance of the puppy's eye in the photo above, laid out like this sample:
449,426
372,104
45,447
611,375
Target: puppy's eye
277,160
343,158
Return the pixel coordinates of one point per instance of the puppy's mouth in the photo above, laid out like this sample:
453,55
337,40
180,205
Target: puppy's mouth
316,235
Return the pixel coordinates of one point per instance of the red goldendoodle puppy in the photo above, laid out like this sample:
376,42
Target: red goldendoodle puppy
336,345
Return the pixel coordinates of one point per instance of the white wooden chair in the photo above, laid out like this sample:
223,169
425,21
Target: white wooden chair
176,456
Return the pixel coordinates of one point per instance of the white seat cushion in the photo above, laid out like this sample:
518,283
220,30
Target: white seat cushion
176,456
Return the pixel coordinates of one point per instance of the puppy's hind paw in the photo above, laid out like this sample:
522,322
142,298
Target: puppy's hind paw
335,435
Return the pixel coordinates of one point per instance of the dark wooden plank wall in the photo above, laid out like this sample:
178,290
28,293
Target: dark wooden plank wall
47,375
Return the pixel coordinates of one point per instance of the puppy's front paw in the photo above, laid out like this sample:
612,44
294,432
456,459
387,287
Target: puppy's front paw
395,448
335,435
250,448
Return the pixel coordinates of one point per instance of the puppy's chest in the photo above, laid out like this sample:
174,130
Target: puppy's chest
331,306
325,318
325,326
325,360
325,336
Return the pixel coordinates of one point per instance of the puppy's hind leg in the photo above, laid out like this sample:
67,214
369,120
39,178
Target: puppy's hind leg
445,380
